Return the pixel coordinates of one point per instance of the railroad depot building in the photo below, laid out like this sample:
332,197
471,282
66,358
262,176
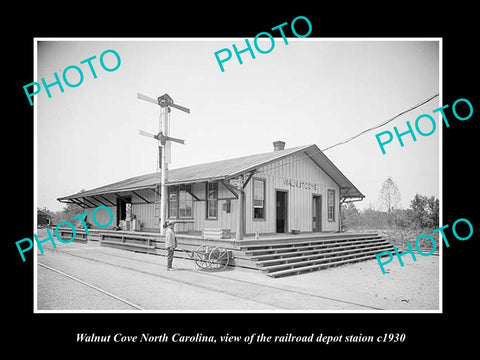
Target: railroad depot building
283,191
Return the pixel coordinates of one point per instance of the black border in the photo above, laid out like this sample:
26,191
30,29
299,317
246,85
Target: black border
428,332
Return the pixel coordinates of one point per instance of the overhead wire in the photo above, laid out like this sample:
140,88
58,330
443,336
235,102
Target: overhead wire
382,123
298,158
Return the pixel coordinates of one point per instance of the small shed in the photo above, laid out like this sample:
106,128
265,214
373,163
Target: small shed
44,219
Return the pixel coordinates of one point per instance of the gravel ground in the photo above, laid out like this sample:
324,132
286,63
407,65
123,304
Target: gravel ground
412,287
143,280
57,292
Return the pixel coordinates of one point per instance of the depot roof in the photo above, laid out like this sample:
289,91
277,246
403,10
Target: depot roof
224,170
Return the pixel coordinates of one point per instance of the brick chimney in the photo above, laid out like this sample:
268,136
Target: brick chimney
278,145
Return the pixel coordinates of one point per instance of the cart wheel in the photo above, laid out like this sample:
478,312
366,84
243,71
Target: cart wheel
201,257
219,258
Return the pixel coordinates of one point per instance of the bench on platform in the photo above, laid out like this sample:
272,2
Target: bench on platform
216,234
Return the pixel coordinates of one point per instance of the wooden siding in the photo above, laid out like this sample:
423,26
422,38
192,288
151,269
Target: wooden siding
143,211
297,168
102,216
224,219
301,178
298,175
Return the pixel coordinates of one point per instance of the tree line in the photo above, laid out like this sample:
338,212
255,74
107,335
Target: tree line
68,212
423,212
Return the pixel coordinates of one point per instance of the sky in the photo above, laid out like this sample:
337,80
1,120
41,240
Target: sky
311,91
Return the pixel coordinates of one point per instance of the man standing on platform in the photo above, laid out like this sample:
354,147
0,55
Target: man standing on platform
170,243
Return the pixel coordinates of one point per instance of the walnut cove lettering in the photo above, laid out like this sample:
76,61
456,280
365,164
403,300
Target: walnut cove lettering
124,338
307,185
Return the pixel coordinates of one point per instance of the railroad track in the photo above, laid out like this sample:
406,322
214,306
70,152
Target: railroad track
109,294
193,283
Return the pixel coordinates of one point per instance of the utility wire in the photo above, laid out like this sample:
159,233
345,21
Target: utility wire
304,156
383,123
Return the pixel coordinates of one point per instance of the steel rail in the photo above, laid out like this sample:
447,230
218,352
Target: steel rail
91,286
217,275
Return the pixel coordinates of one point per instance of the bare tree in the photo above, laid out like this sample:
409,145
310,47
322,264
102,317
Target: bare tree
389,198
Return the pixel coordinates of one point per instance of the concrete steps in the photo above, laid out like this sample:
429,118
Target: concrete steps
295,256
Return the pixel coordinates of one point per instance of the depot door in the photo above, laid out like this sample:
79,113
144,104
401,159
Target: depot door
317,213
124,206
281,211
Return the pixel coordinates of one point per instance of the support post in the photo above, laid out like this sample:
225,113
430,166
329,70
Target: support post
163,191
240,218
340,226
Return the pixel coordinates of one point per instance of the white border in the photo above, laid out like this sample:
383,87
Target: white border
386,39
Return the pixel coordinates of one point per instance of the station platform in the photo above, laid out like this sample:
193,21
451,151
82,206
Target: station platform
276,254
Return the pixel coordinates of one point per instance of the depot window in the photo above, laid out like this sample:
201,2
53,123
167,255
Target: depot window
331,205
212,200
180,202
259,199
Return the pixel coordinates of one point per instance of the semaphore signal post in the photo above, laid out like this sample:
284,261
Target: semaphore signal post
165,102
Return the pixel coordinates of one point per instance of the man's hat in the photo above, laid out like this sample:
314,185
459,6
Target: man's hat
167,224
